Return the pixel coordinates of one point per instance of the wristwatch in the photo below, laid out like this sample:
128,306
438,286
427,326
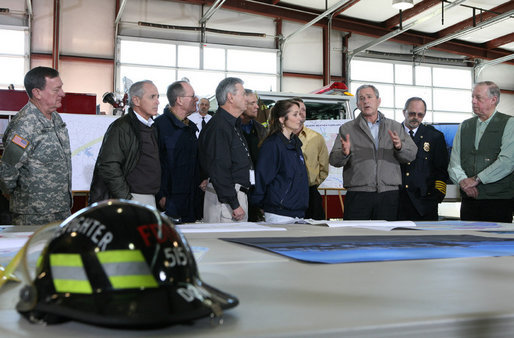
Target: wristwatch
477,179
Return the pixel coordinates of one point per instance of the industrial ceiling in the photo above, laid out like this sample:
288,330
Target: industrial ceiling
481,30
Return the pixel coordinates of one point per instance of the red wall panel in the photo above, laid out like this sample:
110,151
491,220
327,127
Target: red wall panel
72,103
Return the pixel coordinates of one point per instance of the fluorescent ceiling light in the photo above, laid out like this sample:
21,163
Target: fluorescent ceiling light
403,4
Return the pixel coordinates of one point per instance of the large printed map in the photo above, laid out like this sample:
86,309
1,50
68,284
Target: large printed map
86,135
87,131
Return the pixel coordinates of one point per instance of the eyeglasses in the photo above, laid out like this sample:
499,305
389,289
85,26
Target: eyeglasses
420,115
191,96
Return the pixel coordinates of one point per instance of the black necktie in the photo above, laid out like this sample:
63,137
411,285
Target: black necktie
411,133
203,121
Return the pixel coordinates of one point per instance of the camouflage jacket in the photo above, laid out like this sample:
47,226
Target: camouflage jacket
35,169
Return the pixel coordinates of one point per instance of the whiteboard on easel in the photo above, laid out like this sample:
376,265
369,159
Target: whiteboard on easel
329,129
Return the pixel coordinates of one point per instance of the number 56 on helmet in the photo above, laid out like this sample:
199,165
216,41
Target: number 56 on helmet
118,263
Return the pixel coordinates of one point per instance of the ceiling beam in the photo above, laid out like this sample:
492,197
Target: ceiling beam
345,7
502,40
471,50
407,27
326,13
217,5
304,75
465,31
271,2
410,13
508,6
352,25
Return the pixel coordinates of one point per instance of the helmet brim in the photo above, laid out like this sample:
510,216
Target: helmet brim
149,308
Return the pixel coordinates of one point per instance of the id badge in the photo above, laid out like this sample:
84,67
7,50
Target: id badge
252,177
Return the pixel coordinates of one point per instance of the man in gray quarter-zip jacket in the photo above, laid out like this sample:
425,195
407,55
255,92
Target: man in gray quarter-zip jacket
371,148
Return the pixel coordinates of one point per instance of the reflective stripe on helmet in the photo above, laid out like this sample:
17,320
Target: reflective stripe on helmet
126,269
68,274
65,260
134,281
117,256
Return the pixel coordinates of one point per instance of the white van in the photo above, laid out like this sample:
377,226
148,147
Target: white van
319,106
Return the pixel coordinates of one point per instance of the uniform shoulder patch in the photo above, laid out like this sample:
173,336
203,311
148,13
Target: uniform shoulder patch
20,141
14,150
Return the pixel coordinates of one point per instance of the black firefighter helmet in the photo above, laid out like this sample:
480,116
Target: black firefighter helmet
121,264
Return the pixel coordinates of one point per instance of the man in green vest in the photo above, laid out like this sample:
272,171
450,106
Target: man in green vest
482,159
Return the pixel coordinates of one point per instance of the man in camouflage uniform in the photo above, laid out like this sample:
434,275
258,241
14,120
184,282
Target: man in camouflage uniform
35,169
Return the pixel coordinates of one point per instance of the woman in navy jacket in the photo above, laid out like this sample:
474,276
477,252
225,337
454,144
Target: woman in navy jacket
281,181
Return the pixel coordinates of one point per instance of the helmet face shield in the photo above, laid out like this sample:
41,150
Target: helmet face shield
119,263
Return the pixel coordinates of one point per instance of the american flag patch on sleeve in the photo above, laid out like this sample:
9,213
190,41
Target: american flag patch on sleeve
20,141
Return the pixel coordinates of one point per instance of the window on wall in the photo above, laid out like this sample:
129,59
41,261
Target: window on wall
447,91
204,66
13,57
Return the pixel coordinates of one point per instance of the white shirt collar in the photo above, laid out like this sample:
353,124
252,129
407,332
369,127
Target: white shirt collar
143,121
414,131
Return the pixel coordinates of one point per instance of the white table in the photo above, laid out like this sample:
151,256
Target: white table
468,297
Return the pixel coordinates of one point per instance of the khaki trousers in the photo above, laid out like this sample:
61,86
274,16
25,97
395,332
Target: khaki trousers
144,199
216,212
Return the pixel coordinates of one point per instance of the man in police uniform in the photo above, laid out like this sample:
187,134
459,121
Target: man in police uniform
35,170
424,179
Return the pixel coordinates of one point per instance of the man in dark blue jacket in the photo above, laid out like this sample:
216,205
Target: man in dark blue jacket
424,179
254,133
178,148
